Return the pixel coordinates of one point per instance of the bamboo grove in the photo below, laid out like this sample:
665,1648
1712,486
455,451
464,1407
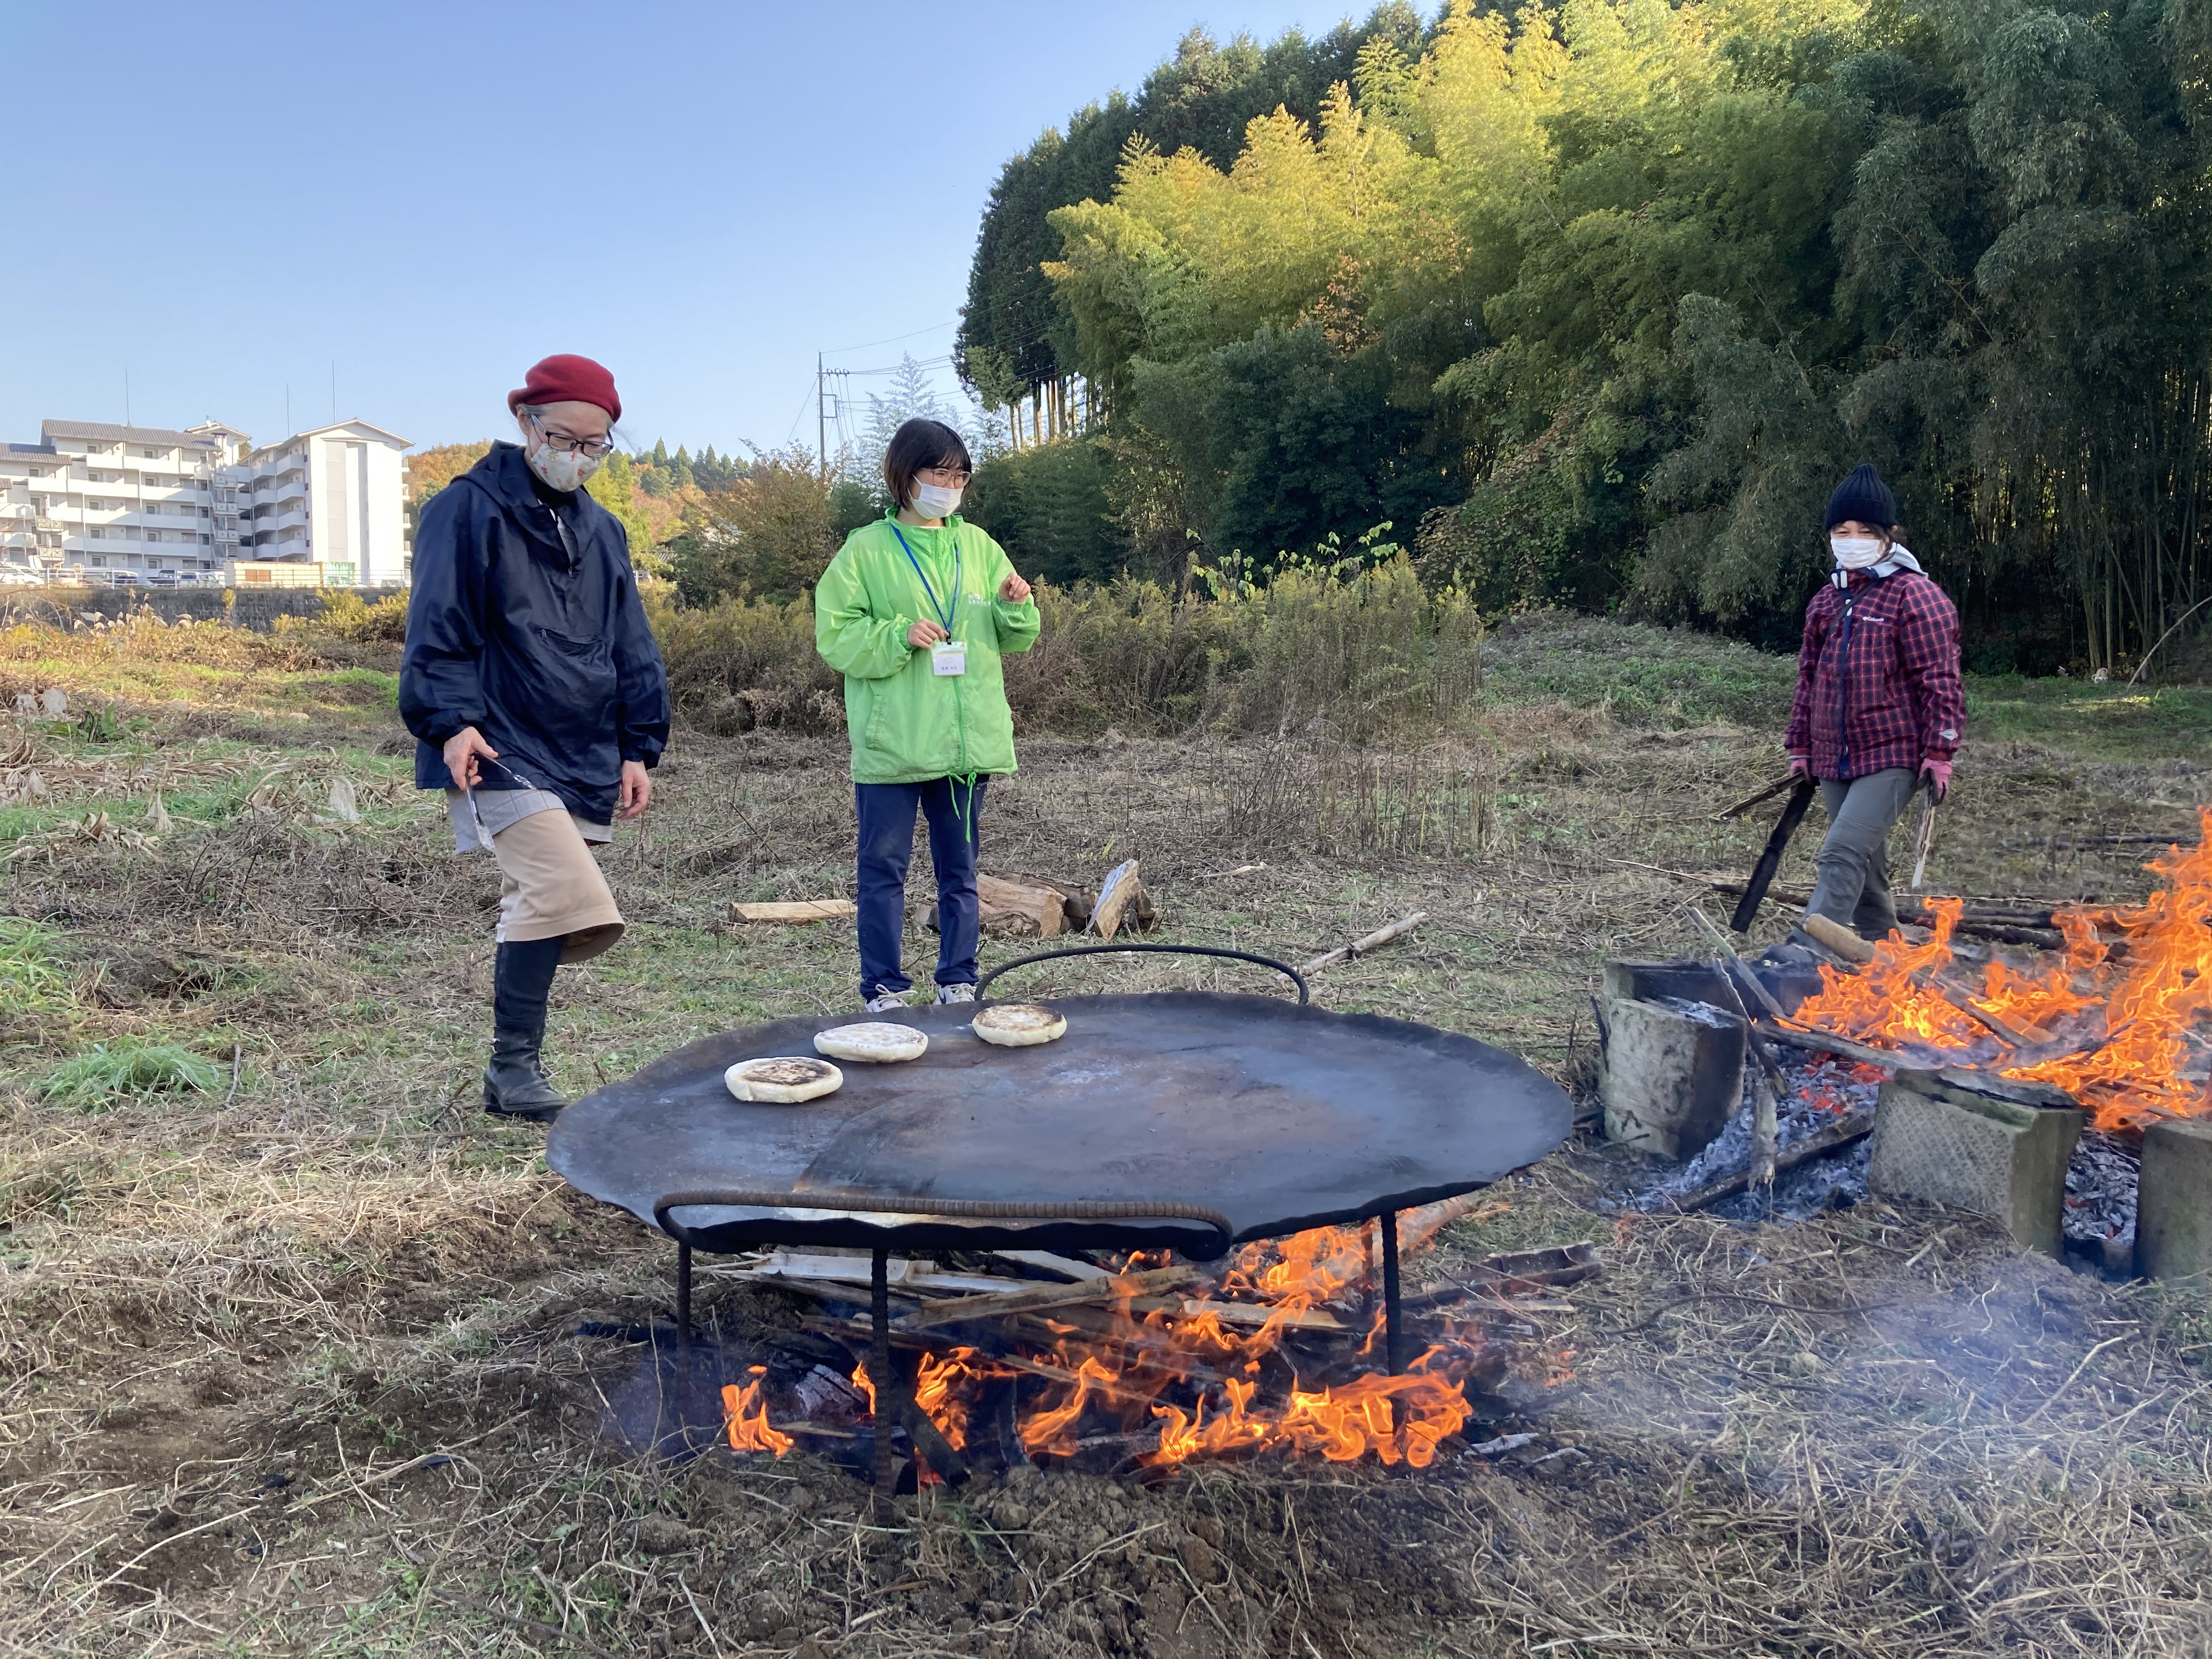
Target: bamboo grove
1594,305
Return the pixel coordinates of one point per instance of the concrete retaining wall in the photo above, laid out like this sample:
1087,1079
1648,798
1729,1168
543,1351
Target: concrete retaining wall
254,608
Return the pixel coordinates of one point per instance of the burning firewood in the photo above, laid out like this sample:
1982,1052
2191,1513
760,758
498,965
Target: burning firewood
1278,1348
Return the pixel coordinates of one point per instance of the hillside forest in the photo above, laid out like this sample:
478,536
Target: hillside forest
1593,307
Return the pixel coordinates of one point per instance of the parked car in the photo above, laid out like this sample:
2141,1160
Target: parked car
122,578
160,578
16,576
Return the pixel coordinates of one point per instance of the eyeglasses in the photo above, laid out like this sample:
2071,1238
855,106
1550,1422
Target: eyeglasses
944,478
564,444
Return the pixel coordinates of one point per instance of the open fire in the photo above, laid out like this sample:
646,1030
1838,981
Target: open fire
2125,1010
1281,1351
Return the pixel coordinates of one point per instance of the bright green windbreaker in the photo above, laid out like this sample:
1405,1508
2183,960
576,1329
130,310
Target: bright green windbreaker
908,725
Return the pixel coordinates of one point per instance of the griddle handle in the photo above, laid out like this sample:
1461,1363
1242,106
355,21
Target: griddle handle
1282,968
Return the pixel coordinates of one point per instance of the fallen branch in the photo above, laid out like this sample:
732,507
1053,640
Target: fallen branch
1360,947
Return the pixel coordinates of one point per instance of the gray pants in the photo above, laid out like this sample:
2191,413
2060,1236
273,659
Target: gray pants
1854,861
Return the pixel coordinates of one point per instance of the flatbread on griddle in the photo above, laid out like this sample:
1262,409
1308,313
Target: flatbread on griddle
1019,1024
872,1042
783,1081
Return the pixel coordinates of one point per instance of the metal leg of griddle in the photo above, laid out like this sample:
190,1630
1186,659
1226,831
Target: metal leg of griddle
1394,1352
879,1370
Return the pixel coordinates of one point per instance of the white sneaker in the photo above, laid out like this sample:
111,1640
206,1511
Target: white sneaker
955,993
884,1001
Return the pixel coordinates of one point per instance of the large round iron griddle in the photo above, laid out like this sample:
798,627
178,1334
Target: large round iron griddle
1270,1116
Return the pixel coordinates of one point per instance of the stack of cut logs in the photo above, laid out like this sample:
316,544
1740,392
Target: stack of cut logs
1039,907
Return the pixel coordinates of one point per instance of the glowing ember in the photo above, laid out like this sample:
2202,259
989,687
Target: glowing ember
2149,1012
749,1429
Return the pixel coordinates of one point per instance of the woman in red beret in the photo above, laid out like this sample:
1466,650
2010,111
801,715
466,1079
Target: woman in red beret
533,686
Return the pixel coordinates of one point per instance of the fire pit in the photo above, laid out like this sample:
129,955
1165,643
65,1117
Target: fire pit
1188,1121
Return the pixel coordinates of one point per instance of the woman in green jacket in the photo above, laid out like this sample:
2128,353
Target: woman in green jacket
915,611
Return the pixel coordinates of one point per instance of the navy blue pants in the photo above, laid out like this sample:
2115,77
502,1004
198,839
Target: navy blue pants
886,815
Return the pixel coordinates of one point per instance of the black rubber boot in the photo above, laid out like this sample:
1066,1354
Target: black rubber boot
515,1083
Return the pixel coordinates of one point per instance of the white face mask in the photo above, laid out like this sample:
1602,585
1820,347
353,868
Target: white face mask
934,500
1856,552
564,472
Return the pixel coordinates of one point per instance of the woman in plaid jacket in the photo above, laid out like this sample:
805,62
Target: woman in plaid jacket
1879,708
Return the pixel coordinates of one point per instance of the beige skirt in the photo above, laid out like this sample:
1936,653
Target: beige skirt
550,886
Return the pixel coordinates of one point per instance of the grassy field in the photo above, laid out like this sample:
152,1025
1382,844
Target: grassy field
258,1251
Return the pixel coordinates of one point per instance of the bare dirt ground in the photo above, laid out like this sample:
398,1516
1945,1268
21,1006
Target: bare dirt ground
293,1366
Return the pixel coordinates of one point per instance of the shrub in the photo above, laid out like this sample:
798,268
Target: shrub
1358,651
745,663
347,616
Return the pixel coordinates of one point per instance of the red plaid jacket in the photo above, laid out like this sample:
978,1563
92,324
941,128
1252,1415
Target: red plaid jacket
1878,676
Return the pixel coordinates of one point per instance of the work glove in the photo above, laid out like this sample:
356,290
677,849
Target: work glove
1938,774
1800,766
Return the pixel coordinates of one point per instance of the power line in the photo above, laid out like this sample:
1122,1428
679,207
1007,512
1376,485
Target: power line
838,351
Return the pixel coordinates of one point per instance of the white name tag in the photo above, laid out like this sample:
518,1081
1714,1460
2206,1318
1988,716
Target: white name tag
949,657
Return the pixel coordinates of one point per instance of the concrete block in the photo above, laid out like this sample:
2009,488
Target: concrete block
2173,1204
1977,1142
1672,1077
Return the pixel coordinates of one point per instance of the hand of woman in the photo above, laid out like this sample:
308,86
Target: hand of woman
1013,590
461,754
925,633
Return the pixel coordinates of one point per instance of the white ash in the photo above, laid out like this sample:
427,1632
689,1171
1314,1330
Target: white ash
1822,1090
2101,1188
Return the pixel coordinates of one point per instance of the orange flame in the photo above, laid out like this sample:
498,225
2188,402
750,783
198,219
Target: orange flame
1120,1362
2152,1005
937,1386
748,1415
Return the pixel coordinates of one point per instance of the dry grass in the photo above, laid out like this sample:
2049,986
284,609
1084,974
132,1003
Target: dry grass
231,1323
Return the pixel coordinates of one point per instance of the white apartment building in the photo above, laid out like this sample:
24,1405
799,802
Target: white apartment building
332,496
89,497
117,498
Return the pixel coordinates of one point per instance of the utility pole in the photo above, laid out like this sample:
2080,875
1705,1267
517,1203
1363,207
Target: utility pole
820,421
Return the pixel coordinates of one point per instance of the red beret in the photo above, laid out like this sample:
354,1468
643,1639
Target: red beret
564,379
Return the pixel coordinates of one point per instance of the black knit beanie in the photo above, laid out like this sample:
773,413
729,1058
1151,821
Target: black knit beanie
1862,496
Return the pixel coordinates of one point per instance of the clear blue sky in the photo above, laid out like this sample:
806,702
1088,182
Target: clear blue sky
227,200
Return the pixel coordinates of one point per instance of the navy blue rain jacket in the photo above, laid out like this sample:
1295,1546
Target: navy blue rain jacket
546,652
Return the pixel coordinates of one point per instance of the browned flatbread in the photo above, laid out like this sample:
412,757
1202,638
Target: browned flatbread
1019,1024
783,1081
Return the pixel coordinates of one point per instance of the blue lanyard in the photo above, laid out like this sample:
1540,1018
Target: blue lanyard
943,615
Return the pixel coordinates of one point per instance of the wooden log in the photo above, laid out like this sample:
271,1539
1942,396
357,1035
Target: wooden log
1117,894
1044,907
1827,1043
1835,937
1059,1267
1046,1296
796,913
1251,1315
1360,947
902,1274
1075,899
